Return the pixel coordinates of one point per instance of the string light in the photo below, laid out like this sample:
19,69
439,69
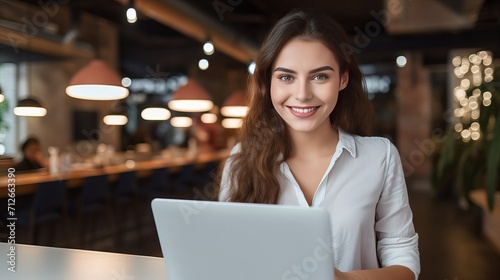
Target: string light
471,70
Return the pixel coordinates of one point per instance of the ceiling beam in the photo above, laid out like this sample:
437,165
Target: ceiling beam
18,40
180,16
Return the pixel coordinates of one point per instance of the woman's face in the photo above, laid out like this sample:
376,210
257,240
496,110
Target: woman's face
305,84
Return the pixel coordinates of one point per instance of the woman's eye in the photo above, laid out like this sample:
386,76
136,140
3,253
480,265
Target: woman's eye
285,78
320,77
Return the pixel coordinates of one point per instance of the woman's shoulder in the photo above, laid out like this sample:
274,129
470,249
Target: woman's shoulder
375,145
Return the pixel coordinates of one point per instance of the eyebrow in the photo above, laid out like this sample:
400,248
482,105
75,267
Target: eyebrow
319,69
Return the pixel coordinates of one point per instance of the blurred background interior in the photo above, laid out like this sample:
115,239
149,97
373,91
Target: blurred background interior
429,69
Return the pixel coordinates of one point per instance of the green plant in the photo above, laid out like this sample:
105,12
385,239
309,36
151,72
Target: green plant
4,107
473,164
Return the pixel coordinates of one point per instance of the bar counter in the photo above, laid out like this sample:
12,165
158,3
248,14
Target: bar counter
25,183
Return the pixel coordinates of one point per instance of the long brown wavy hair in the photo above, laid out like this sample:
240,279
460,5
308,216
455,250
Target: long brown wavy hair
264,141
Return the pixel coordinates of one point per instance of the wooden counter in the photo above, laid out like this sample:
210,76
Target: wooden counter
25,183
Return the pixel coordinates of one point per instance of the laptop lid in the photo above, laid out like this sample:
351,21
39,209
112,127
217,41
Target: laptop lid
231,241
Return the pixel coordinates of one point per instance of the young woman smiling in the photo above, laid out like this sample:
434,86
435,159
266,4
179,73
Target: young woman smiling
304,142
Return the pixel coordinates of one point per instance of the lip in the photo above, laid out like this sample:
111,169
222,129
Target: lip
305,114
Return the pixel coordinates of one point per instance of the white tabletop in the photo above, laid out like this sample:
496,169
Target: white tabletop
37,262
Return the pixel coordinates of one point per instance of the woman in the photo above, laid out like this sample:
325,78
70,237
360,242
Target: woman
303,143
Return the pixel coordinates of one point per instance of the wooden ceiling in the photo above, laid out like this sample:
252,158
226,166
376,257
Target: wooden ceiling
153,43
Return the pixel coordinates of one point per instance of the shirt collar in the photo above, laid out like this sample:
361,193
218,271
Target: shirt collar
346,141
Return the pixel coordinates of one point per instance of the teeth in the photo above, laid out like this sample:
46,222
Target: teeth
303,111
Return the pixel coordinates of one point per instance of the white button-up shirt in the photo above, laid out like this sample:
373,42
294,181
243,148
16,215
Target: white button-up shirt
364,191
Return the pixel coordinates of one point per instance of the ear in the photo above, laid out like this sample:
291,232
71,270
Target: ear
344,80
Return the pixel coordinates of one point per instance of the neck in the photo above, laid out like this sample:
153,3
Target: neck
315,144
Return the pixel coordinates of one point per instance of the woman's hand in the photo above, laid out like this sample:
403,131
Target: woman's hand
387,273
339,275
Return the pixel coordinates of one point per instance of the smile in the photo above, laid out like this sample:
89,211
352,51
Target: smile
304,110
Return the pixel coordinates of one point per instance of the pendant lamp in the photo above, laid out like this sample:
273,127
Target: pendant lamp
234,106
191,98
181,122
96,81
115,119
155,114
232,123
29,107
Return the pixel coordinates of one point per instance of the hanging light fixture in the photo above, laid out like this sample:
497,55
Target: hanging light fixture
116,119
232,123
96,81
117,115
191,98
208,48
29,107
234,106
155,114
131,12
181,122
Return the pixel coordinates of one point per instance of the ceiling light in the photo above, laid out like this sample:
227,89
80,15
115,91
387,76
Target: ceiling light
209,118
208,48
126,82
251,67
401,61
96,81
192,97
232,123
155,114
203,64
181,122
29,107
115,119
234,106
131,12
131,15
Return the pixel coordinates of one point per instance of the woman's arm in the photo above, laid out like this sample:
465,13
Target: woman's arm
396,272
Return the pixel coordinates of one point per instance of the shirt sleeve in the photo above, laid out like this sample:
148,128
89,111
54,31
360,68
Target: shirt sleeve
225,183
397,241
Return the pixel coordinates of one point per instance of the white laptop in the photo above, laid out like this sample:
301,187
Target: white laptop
202,240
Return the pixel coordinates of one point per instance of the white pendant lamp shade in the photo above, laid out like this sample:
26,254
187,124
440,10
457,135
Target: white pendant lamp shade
115,119
96,81
155,114
234,106
191,98
29,107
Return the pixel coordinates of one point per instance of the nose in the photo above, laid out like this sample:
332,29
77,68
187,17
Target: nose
303,91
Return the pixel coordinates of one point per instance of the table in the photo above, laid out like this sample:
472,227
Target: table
38,262
26,183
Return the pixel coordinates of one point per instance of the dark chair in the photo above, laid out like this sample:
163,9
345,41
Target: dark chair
126,187
126,204
48,207
93,201
158,183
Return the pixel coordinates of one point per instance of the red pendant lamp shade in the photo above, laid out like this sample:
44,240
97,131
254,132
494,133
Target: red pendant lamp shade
96,81
235,106
191,98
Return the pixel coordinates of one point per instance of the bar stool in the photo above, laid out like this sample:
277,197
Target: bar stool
158,183
126,203
49,206
93,200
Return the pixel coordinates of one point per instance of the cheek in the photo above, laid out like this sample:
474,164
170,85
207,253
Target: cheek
277,94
